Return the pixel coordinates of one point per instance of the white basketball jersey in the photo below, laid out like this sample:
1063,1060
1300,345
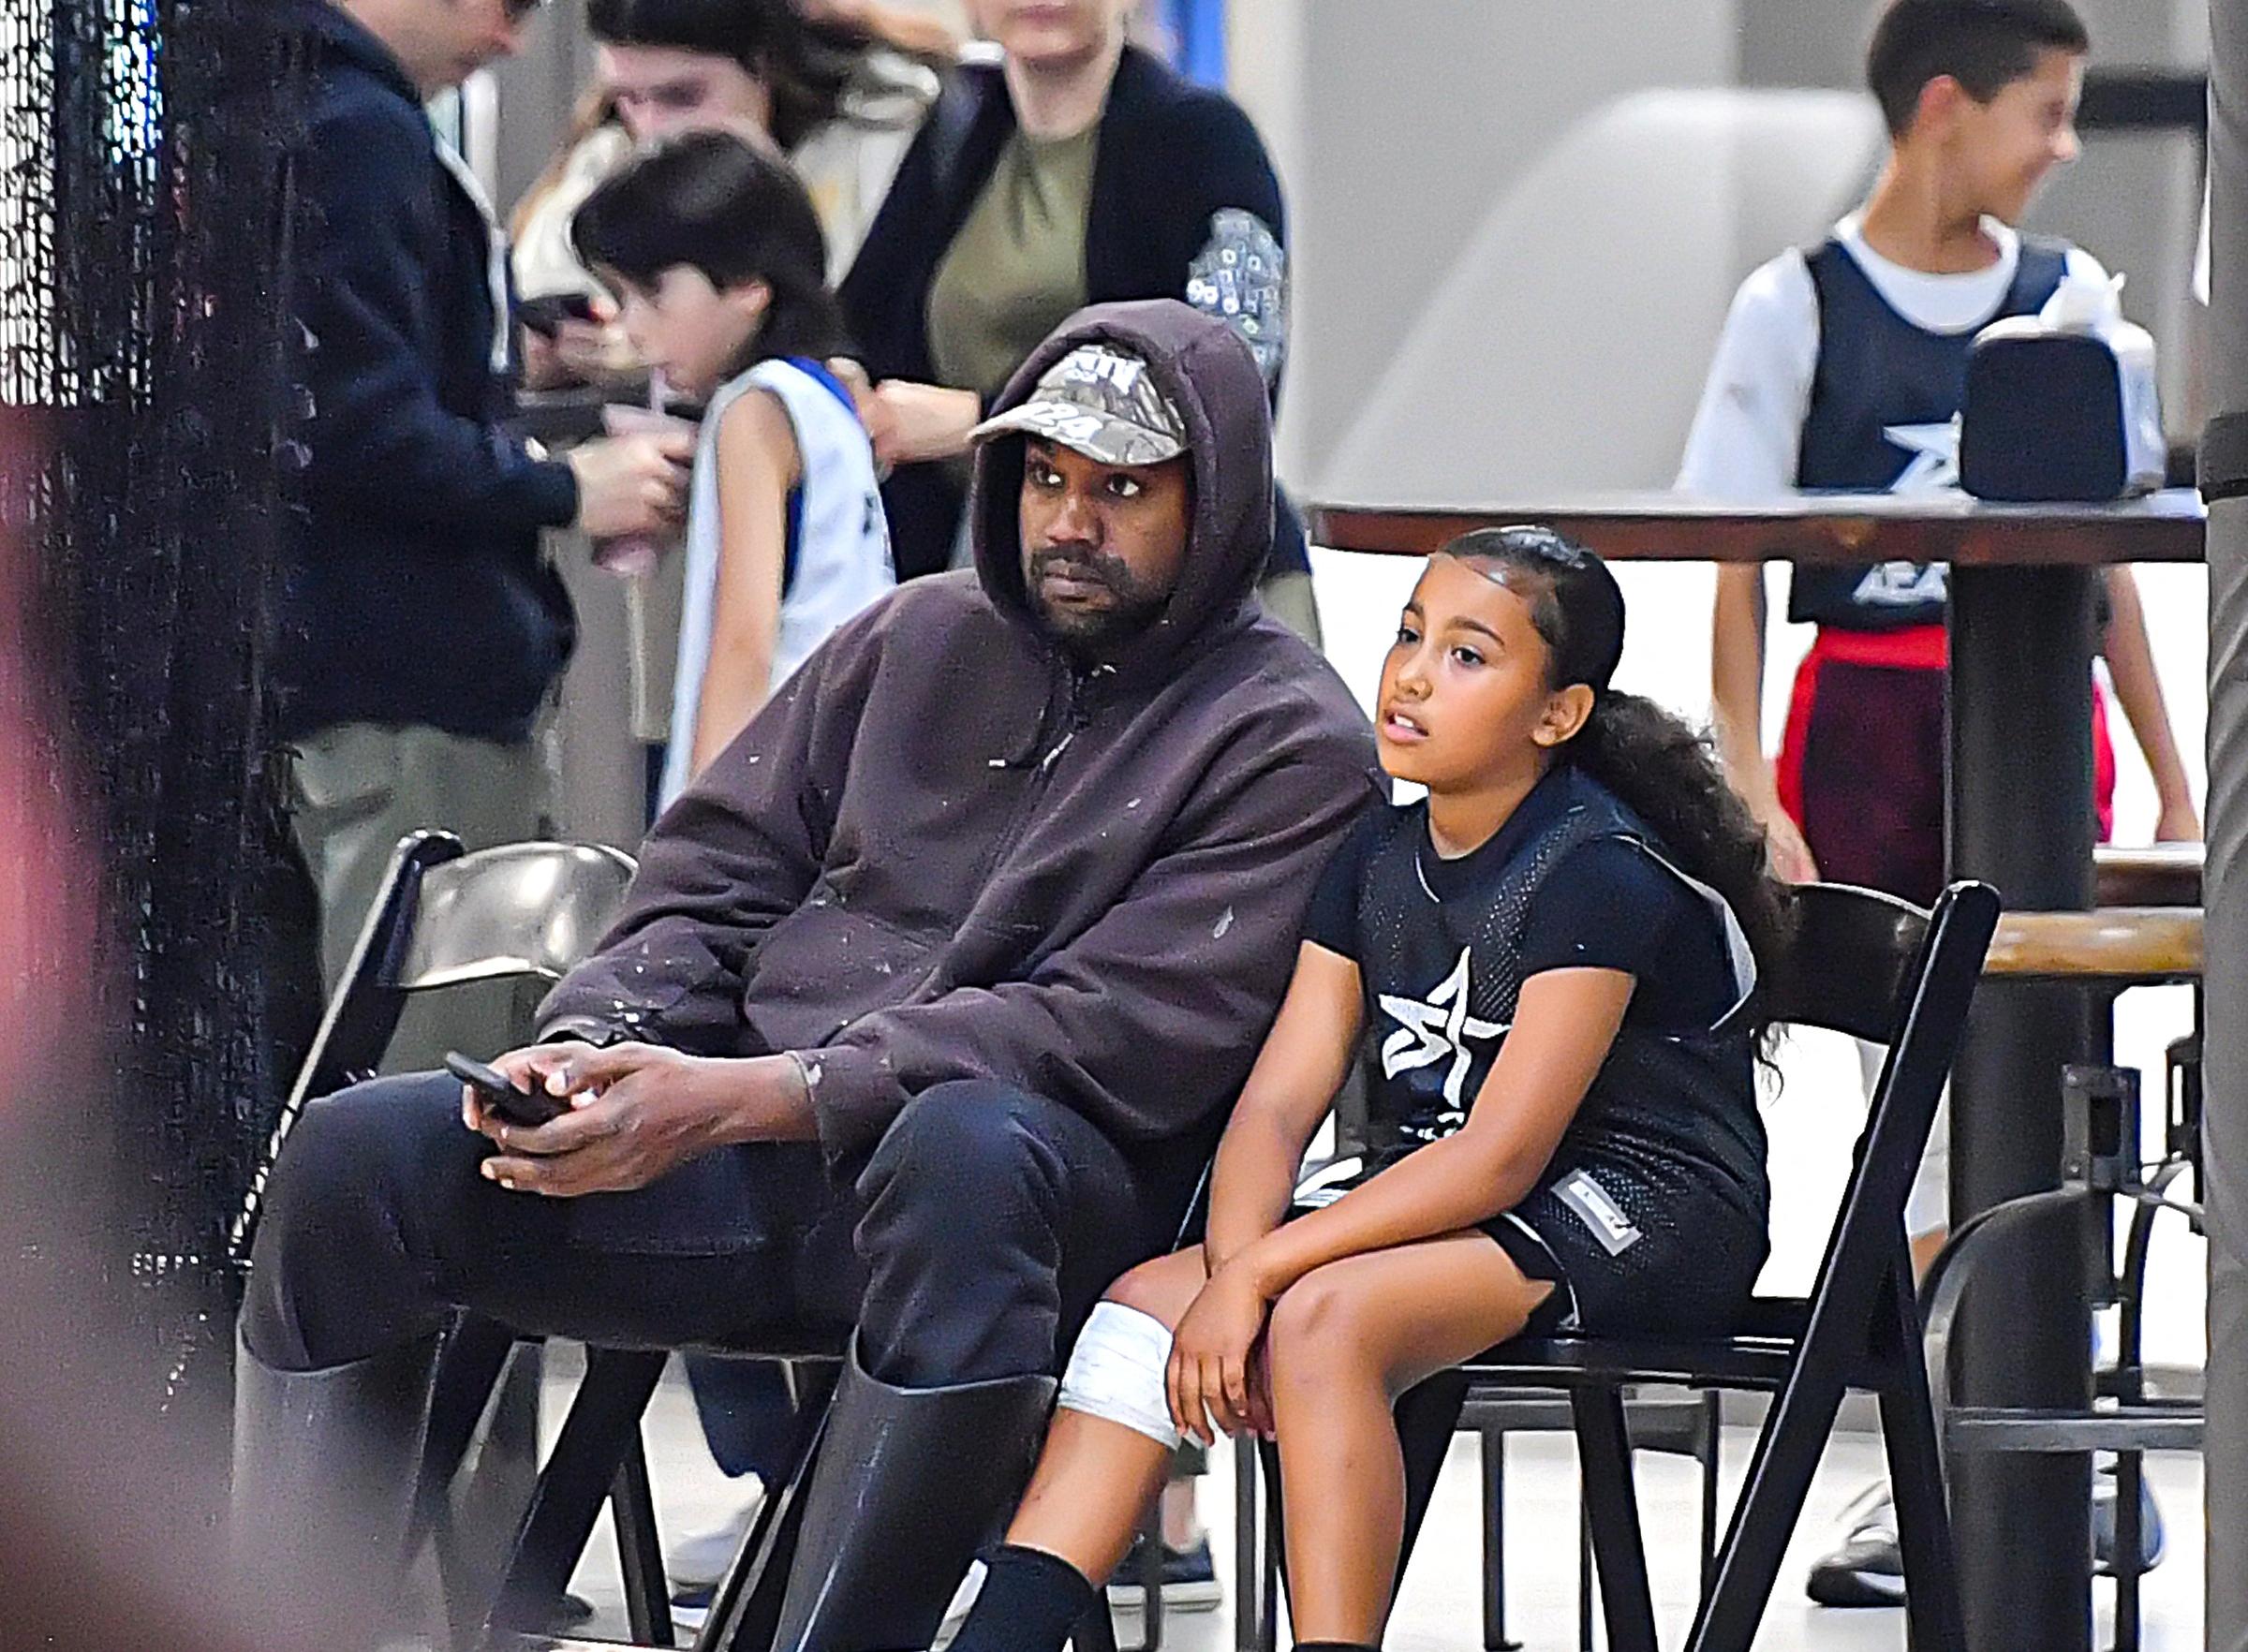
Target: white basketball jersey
838,559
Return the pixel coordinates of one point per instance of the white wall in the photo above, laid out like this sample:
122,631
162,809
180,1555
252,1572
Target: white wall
1399,125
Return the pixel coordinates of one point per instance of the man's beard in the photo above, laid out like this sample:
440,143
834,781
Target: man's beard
1132,611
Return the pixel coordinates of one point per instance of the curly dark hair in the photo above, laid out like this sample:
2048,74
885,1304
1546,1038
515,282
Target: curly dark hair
810,67
1662,770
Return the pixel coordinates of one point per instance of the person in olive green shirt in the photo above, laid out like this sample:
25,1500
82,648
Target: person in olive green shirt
1078,169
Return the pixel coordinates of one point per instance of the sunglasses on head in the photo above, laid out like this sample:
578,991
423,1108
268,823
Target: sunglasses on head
1544,545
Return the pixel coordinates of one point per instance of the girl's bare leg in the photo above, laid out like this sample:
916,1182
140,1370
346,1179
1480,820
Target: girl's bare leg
1095,1478
1344,1342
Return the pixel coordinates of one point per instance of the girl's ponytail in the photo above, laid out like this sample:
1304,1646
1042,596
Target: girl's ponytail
1668,774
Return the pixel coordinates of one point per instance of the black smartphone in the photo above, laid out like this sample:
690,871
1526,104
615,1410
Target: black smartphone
545,316
527,1108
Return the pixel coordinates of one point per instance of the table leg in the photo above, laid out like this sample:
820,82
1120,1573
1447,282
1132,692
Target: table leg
2022,818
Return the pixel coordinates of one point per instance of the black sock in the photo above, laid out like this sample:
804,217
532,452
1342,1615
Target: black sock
1030,1602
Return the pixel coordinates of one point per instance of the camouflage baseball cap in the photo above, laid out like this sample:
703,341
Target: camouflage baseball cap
1102,401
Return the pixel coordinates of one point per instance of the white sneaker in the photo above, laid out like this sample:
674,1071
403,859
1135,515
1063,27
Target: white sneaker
698,1562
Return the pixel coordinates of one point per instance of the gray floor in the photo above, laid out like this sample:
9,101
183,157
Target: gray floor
1441,1604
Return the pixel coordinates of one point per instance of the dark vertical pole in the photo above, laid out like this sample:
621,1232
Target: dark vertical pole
2022,818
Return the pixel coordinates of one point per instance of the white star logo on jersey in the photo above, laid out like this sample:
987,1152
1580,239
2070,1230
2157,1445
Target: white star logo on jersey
1935,463
1902,585
1934,469
1435,1031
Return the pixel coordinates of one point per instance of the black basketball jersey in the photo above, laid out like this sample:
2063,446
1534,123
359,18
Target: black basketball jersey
1883,400
1442,972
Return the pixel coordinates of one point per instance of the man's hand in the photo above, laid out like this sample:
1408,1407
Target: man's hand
1212,1352
637,1113
910,423
631,484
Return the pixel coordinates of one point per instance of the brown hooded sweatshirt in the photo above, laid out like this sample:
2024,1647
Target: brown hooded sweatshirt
946,849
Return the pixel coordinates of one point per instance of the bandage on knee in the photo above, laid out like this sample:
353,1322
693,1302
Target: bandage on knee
1116,1372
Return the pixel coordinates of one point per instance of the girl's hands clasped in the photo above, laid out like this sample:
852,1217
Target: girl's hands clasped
1215,1382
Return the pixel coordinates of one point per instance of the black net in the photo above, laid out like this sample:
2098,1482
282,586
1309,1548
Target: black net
144,251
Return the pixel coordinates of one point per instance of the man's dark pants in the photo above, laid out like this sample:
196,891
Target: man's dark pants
979,1234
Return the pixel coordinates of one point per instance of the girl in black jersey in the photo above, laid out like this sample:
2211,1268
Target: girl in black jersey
1552,962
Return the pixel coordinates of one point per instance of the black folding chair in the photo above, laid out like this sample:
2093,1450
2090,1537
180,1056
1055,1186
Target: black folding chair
444,918
1883,970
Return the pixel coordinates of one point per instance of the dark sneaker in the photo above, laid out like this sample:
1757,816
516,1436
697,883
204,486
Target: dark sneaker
1867,1569
1189,1580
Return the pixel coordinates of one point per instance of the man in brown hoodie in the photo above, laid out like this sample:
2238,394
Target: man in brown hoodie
925,1010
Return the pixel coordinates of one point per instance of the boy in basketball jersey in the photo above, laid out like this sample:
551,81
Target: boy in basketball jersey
1842,369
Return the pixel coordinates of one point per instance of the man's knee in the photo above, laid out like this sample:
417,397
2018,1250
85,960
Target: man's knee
973,1155
355,1148
362,1170
966,1206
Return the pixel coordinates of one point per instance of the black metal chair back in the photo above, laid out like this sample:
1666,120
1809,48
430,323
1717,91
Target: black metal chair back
443,918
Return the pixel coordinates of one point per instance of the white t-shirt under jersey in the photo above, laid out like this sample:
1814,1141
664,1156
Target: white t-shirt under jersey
1749,427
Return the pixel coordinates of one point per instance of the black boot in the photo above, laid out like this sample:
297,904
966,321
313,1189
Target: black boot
910,1483
325,1464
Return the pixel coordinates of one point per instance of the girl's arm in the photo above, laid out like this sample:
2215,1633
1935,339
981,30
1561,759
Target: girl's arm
2131,668
758,464
1305,1059
1563,1027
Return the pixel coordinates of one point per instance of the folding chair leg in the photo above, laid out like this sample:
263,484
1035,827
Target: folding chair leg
1772,1500
1151,1586
1586,1588
1908,1433
1272,1566
1096,1631
1713,1444
1249,1549
1493,1449
603,1421
746,1611
1605,1454
1427,1416
2130,1543
639,1554
474,1353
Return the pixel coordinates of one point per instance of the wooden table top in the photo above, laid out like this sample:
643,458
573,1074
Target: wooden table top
2116,944
1846,528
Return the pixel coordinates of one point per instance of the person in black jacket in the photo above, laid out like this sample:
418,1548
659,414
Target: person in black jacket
1080,169
422,625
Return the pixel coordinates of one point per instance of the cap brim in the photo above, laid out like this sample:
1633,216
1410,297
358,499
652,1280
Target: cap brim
1099,436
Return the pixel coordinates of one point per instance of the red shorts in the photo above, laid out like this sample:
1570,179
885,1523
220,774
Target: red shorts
1861,764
